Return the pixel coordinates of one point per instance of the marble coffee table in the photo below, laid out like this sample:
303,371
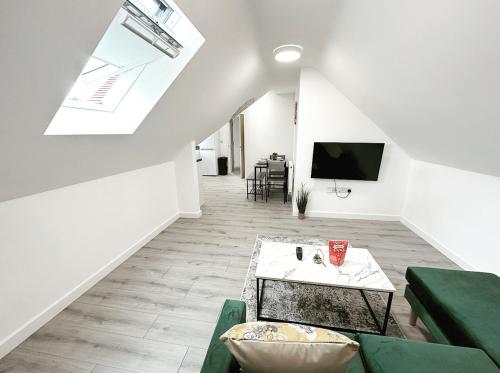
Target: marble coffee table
278,262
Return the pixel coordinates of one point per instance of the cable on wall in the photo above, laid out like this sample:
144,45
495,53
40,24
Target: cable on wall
337,192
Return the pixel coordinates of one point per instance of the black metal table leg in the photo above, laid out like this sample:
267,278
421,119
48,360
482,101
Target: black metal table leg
387,313
374,317
255,183
266,185
382,328
258,301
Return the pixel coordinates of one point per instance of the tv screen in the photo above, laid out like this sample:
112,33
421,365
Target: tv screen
346,160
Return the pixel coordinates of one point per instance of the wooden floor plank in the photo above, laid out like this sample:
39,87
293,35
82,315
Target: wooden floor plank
108,349
25,361
188,332
193,361
89,316
106,369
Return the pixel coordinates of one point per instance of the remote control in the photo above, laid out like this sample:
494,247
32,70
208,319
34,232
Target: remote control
298,251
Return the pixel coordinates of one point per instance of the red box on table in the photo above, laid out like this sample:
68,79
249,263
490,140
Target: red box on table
337,251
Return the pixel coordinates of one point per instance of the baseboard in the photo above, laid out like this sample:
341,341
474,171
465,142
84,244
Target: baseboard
19,335
438,245
190,215
341,215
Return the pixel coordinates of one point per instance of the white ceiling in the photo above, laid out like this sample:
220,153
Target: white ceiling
425,71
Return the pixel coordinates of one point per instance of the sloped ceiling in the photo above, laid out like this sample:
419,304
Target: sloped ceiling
44,46
427,72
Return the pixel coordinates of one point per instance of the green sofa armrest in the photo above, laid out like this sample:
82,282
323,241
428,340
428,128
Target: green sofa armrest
218,358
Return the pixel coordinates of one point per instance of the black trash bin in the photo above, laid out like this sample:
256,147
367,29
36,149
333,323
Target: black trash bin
222,161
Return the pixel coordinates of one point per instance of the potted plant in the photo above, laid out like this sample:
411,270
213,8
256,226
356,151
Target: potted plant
301,200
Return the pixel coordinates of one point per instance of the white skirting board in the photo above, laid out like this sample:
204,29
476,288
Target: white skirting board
339,215
22,333
190,215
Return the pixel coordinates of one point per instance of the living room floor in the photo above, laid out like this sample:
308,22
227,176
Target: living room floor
156,312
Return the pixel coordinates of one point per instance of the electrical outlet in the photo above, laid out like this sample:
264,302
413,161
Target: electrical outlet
340,190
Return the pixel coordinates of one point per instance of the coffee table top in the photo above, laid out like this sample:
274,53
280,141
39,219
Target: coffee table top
278,261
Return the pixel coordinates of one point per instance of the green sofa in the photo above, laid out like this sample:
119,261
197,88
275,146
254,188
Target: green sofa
459,308
377,353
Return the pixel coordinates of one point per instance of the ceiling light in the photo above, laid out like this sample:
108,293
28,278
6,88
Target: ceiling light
287,53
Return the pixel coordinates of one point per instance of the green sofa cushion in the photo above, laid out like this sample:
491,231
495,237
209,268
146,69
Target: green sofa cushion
218,358
388,354
356,364
466,305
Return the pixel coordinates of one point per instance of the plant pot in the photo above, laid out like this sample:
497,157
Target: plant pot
301,215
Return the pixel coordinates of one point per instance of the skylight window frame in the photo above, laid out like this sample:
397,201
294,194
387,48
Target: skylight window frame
120,47
153,27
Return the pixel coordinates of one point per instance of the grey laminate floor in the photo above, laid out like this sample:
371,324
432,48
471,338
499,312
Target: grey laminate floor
156,312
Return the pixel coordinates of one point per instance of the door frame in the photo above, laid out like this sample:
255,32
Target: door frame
242,145
231,145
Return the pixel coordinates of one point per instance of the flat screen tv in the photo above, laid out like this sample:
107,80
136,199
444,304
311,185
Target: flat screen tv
346,160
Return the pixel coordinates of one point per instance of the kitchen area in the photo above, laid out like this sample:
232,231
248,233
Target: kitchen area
213,153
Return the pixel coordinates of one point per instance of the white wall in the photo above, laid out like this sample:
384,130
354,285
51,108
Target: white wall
57,244
268,128
458,212
324,114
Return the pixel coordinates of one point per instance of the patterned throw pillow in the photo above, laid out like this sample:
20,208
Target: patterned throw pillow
283,347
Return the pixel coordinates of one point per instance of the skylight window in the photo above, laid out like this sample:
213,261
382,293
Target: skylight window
144,49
